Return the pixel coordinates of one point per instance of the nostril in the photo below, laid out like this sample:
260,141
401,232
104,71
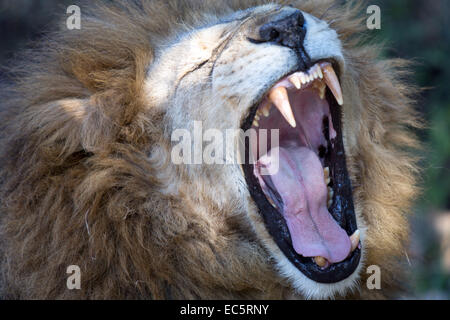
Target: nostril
270,32
288,30
274,34
301,20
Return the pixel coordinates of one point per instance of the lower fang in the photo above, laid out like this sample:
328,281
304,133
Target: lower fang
355,239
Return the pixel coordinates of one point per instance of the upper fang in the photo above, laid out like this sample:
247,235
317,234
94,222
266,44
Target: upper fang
332,81
279,97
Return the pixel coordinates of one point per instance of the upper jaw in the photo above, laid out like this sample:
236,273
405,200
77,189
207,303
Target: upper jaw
327,70
320,76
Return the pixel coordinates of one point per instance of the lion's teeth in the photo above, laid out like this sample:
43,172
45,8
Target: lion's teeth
319,70
355,239
303,78
332,82
295,81
330,197
279,97
321,261
265,108
256,123
326,172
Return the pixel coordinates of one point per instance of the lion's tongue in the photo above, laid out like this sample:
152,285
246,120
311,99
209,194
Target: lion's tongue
297,176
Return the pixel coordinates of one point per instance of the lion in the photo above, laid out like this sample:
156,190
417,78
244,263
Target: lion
88,177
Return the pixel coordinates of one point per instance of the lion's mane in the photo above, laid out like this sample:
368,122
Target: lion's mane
81,184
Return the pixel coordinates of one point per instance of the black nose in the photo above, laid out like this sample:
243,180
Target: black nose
288,31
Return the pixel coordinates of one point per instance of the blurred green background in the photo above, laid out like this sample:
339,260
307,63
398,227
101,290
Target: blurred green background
414,29
420,30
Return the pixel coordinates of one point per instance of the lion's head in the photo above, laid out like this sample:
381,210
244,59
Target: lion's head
88,170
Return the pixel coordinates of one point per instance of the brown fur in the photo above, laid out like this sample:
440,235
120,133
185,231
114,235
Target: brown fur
78,188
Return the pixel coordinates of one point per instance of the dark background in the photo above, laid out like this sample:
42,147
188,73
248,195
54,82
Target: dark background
414,29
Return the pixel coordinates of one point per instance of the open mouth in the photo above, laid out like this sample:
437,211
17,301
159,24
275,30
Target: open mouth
301,184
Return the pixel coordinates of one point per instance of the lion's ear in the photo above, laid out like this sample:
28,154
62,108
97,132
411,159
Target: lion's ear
71,125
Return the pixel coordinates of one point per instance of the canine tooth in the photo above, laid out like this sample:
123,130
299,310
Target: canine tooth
330,197
295,81
321,261
327,180
257,116
355,239
332,82
279,97
255,123
307,79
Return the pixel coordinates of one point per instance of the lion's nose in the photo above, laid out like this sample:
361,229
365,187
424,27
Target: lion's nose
288,30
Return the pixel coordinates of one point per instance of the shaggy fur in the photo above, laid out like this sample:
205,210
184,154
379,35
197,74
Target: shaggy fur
86,178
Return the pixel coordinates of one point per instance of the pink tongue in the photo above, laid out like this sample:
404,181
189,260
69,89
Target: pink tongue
297,175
